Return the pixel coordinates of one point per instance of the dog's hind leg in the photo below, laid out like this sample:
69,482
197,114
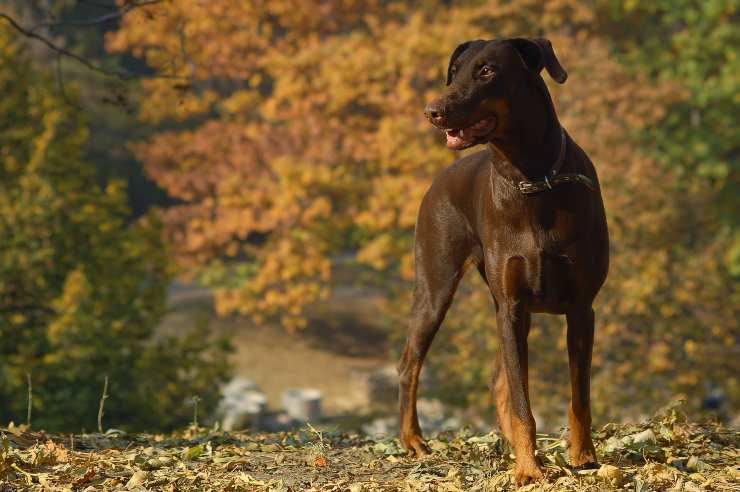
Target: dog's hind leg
439,267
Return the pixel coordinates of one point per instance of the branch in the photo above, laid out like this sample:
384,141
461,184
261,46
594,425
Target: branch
30,399
61,51
102,404
97,20
60,82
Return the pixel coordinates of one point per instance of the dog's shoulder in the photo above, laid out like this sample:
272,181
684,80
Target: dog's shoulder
460,182
468,166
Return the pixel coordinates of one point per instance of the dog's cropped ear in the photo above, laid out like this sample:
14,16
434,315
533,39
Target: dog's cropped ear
537,53
455,55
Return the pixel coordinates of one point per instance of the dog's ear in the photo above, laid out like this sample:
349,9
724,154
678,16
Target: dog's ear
537,53
455,55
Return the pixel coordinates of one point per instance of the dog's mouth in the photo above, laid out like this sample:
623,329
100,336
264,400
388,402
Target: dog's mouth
462,138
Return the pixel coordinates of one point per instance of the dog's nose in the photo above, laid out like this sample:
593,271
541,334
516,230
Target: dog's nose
435,112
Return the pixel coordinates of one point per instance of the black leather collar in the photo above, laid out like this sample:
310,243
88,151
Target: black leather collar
552,178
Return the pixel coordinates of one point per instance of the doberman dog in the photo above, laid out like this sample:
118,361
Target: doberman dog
527,211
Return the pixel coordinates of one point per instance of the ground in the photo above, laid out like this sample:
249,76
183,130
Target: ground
663,454
343,342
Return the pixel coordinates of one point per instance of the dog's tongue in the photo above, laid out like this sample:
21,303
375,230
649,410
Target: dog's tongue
459,137
455,139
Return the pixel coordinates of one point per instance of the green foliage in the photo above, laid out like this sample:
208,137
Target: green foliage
692,43
105,100
81,290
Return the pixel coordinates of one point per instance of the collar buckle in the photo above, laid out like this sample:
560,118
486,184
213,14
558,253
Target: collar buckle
527,187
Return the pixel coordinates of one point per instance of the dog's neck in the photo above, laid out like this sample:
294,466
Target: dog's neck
531,144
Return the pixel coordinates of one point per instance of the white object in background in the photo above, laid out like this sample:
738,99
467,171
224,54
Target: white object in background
242,404
303,404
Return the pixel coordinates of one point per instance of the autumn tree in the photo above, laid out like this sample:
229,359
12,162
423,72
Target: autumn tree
81,289
300,135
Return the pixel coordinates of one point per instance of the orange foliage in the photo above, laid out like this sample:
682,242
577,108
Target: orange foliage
299,133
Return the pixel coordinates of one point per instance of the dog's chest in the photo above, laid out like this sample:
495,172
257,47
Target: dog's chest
538,236
543,225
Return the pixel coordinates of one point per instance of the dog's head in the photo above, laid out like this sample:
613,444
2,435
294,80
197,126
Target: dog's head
482,79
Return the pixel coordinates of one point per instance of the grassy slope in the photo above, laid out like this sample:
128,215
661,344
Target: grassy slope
662,454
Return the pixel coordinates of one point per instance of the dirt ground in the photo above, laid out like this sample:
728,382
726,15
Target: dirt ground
343,342
666,453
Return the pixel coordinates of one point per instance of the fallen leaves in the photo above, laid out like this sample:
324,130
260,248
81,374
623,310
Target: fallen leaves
654,456
137,479
611,473
320,461
86,477
51,453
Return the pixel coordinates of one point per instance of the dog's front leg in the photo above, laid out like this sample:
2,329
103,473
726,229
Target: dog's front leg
580,345
512,319
500,387
513,337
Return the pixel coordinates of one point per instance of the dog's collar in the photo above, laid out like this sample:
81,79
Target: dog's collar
552,178
532,187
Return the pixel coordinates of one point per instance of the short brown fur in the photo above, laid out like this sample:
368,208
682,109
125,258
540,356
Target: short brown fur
546,252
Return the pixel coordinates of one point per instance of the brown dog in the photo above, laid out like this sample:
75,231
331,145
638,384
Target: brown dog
528,212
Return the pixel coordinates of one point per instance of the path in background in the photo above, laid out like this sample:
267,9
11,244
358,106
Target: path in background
343,342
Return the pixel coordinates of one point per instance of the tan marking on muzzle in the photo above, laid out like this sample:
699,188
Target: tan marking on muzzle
500,108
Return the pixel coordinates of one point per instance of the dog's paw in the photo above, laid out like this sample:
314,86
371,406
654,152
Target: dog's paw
525,473
415,446
583,459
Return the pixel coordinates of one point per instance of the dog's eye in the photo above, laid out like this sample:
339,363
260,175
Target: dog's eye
486,71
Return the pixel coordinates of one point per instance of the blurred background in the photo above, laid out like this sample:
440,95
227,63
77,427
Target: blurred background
212,203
